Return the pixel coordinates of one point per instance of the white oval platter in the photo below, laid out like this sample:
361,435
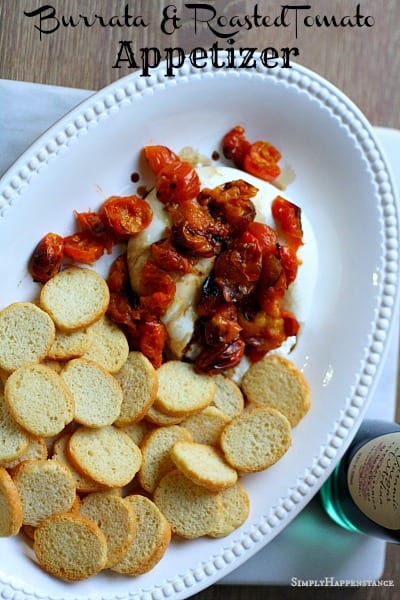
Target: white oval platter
345,190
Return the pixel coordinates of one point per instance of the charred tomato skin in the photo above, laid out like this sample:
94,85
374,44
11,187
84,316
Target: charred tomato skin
47,257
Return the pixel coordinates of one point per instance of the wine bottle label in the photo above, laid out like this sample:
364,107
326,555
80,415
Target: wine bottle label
373,479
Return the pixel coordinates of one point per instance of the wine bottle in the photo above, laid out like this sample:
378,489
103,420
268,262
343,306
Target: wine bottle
363,492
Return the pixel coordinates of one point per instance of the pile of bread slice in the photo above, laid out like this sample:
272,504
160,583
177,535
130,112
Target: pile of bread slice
104,458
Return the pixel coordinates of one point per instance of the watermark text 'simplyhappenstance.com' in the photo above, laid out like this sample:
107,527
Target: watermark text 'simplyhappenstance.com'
333,582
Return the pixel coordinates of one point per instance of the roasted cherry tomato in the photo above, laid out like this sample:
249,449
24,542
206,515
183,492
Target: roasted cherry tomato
231,203
159,156
291,324
270,297
238,268
154,279
176,182
266,237
47,257
118,277
235,145
288,217
194,230
222,326
152,340
222,356
91,222
290,263
82,247
211,299
126,215
159,289
122,310
261,333
167,257
271,271
261,160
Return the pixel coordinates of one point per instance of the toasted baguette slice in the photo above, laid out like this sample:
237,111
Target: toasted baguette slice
153,535
46,487
36,449
191,510
138,431
97,394
182,391
14,439
139,382
206,427
156,448
158,417
83,484
116,519
75,298
10,506
71,345
276,382
56,365
107,455
204,465
39,400
26,334
236,507
228,396
110,347
256,439
70,547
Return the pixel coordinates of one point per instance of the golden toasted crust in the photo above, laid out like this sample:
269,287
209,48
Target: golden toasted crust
236,506
139,383
153,535
228,396
97,394
39,400
276,382
75,298
83,484
36,449
157,417
46,487
70,547
204,465
190,509
14,439
70,345
109,347
10,506
156,448
256,439
26,334
182,391
138,431
116,519
206,427
107,455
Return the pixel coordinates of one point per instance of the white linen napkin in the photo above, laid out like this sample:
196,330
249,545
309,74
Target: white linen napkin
27,110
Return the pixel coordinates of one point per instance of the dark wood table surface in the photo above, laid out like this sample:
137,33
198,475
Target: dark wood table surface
363,61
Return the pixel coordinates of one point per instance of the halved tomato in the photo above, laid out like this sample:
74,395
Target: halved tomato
82,247
261,160
126,215
158,156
